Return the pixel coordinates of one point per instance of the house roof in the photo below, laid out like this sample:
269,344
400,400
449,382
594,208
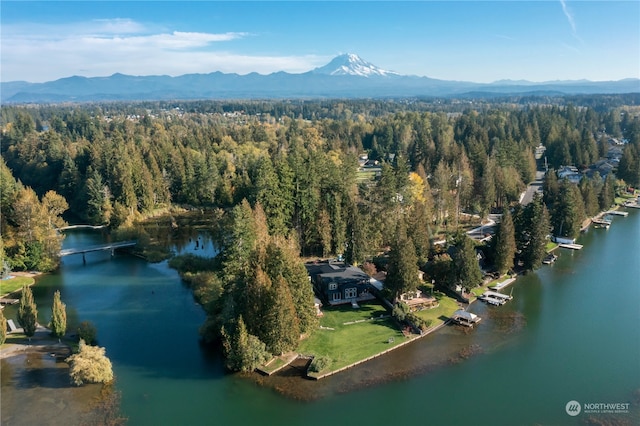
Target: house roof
330,271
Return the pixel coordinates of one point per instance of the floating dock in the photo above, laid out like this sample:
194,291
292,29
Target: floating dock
492,300
571,246
9,301
497,295
632,205
495,298
618,213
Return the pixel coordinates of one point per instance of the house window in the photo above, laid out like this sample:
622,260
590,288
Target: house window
336,296
333,286
350,293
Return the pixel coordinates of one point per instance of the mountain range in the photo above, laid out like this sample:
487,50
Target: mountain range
346,76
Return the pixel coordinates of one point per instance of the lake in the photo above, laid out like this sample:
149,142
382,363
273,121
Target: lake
571,333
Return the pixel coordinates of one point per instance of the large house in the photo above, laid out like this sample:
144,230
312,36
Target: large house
336,282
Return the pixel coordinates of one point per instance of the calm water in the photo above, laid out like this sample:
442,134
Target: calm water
571,333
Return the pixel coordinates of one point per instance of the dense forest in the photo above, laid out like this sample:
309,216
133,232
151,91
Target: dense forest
316,178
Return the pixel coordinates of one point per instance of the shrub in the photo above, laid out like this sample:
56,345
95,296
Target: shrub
318,364
90,365
400,311
87,332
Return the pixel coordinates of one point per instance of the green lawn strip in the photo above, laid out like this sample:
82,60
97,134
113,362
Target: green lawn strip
275,364
362,337
550,246
14,284
351,343
447,306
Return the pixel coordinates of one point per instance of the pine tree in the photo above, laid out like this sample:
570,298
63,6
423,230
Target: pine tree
243,351
568,211
589,196
629,167
533,227
58,316
504,243
282,330
402,270
468,273
27,312
607,193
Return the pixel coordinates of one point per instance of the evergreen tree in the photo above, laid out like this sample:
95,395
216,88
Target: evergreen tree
281,325
243,351
240,242
440,270
532,228
550,189
629,167
58,316
402,269
589,197
607,193
27,312
568,211
504,244
467,269
282,260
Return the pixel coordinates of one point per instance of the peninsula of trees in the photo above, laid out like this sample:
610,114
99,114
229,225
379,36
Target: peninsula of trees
316,178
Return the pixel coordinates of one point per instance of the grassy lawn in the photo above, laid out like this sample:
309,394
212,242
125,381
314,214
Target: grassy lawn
447,306
13,284
343,344
550,246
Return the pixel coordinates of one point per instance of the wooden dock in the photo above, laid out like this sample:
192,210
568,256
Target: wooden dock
503,284
632,205
618,213
571,246
9,301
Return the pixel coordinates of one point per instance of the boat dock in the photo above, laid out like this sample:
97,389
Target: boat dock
502,284
618,213
9,301
495,298
571,246
492,300
550,258
632,205
601,222
465,318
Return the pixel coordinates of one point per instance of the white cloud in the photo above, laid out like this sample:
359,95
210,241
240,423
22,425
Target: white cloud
39,53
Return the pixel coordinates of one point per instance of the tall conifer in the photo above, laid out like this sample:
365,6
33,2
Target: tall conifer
27,312
58,316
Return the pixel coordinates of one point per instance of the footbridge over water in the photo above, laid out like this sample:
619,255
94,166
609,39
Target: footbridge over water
99,247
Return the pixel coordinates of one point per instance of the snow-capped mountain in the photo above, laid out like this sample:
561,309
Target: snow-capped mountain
352,64
346,76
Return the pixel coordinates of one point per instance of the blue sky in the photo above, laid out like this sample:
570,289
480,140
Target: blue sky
456,40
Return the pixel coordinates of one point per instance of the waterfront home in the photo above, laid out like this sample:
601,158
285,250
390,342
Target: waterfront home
335,282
